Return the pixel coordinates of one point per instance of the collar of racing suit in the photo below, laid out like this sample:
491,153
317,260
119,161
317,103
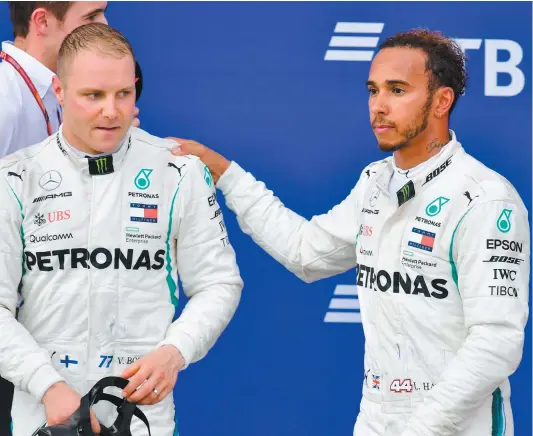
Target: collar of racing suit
422,178
84,164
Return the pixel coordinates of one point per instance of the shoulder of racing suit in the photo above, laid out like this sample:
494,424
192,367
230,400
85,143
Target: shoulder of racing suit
26,155
143,138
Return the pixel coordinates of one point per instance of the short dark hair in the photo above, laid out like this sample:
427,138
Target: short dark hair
445,59
20,13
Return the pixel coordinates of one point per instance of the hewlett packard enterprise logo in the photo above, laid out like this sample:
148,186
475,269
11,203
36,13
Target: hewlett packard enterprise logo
344,306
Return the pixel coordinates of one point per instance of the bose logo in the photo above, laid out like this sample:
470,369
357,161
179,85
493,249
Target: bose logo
360,48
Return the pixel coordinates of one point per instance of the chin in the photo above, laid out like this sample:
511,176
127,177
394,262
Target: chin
391,147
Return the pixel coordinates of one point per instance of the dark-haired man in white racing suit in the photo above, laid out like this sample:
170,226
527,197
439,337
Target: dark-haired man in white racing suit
442,249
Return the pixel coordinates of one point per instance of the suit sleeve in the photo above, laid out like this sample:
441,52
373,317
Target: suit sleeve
315,249
491,250
206,264
22,361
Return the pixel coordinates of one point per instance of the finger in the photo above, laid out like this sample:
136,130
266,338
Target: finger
158,394
145,390
136,122
131,370
135,382
95,425
176,139
136,111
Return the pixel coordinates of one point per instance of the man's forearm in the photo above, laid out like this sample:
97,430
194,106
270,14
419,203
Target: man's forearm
203,320
489,355
22,361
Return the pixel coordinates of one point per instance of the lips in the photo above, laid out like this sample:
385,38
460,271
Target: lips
380,128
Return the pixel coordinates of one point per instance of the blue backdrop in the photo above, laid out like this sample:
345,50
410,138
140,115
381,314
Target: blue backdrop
256,82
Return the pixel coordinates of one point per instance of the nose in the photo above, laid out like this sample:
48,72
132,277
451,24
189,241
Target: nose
109,109
101,19
379,104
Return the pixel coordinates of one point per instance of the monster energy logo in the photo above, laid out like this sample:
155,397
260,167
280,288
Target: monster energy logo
406,193
101,165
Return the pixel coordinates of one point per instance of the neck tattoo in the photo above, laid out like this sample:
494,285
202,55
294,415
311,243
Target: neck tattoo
435,145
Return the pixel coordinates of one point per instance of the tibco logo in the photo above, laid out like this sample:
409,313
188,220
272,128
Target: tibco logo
344,306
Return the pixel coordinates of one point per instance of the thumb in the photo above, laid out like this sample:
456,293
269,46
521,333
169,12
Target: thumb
95,425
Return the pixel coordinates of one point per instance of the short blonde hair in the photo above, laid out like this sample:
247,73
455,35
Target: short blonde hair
97,37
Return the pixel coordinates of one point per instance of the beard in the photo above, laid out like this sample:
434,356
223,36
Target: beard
416,128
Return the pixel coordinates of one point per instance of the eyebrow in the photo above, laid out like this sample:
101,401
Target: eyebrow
91,90
389,82
95,12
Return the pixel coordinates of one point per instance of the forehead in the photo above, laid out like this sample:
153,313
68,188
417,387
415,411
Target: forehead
83,8
94,70
399,63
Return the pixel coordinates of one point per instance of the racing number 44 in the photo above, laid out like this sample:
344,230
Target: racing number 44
400,386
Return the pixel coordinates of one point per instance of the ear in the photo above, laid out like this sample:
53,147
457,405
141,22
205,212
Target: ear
39,21
59,90
442,101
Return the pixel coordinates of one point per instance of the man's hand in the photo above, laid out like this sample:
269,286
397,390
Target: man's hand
216,163
60,402
153,376
136,122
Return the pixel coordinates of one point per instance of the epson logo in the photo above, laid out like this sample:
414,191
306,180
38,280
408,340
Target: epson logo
504,244
356,41
52,196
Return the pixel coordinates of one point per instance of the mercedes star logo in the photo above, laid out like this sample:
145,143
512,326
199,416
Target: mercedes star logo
374,197
50,180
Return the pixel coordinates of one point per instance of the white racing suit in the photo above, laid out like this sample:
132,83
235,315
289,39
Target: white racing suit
96,245
442,272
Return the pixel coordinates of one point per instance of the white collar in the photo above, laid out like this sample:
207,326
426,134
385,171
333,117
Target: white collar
39,74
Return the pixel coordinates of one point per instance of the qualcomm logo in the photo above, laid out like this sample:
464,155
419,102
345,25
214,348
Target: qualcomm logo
344,306
498,65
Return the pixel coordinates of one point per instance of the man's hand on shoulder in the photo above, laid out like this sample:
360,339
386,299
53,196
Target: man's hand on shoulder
136,122
60,402
216,163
